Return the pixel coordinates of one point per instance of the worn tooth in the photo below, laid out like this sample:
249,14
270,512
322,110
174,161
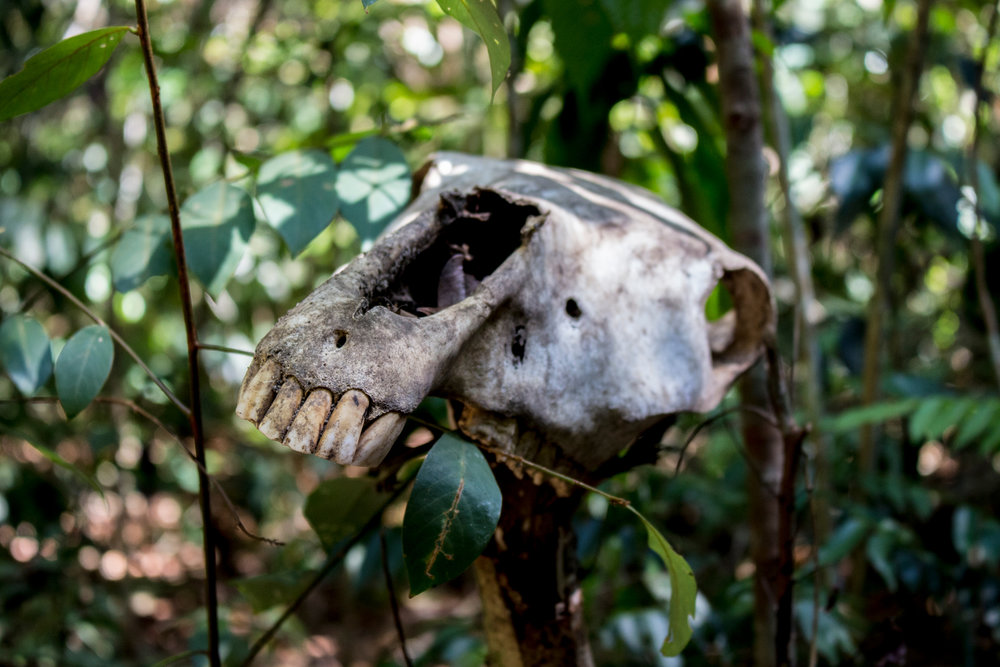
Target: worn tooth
377,439
282,411
308,423
340,439
257,392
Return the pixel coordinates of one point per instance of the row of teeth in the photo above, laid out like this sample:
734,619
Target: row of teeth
277,408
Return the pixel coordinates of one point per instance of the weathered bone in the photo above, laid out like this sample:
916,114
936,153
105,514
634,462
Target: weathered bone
541,300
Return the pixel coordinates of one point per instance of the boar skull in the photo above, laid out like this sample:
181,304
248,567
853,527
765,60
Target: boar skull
542,301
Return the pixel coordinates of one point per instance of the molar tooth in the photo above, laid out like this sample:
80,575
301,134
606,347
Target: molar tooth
305,429
340,439
257,392
377,439
282,411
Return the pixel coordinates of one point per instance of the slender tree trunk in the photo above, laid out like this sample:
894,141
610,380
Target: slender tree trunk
888,222
746,173
527,577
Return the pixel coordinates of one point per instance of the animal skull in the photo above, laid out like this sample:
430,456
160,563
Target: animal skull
546,301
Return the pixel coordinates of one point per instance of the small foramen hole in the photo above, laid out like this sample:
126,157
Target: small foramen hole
341,338
573,308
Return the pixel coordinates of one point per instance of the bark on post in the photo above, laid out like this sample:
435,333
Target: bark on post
745,174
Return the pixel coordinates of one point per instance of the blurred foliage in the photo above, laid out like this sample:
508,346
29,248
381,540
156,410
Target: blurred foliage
626,88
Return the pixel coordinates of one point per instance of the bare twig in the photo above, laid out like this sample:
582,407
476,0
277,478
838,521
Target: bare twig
393,602
714,418
223,348
888,222
331,562
97,318
972,170
195,417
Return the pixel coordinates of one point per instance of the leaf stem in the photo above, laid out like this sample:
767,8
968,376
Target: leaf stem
97,318
195,416
223,348
393,602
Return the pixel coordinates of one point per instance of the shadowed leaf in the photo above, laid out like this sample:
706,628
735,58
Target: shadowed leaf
25,353
142,252
339,508
83,367
373,185
296,191
218,222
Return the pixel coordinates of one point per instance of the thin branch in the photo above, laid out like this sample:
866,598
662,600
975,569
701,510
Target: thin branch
223,348
197,430
97,318
972,169
331,563
393,602
751,409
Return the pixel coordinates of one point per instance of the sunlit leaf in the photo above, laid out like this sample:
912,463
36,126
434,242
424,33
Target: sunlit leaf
925,421
338,508
451,515
481,17
854,418
57,71
373,185
296,191
83,367
683,590
142,252
217,223
25,353
274,589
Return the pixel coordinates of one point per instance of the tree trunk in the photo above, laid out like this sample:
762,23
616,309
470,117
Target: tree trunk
527,577
745,174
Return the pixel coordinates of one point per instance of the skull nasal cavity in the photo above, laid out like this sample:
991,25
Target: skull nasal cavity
341,337
479,230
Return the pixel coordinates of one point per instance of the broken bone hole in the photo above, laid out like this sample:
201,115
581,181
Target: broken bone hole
340,337
573,309
518,344
479,231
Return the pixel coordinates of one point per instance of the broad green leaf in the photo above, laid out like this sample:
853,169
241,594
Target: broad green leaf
639,18
925,421
991,441
451,515
844,539
83,367
852,419
217,223
142,252
57,71
25,353
683,590
373,185
272,590
879,550
583,34
986,412
296,191
481,17
339,508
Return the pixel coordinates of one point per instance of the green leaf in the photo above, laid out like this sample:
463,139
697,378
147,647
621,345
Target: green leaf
274,589
925,421
25,353
683,589
373,185
985,413
636,18
296,191
217,222
83,367
142,252
451,515
339,508
583,34
57,71
854,418
368,3
481,17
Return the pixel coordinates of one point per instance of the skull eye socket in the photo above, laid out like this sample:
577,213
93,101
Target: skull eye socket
573,309
341,337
